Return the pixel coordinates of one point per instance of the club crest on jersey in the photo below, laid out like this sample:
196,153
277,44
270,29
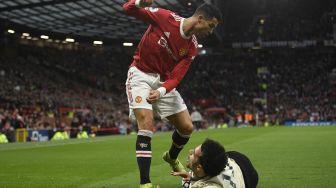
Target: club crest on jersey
138,99
183,52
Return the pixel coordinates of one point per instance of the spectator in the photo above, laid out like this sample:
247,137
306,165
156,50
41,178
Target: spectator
196,118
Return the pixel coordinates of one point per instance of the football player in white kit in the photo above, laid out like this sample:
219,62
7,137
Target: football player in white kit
212,167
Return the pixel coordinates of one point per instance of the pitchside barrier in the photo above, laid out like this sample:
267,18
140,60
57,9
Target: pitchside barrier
24,135
41,135
309,123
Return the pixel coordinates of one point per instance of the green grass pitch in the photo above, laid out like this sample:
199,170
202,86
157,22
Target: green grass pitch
290,157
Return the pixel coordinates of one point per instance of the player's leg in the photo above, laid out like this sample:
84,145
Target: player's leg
137,89
180,137
182,133
143,148
172,107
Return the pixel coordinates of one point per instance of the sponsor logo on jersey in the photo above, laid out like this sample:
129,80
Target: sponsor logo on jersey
167,34
138,99
163,42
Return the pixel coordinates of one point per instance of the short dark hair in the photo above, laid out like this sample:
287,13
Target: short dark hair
213,158
209,11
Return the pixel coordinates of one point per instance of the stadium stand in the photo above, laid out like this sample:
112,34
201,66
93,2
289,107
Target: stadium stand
38,84
54,86
278,84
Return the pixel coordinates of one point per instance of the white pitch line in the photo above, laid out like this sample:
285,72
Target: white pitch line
59,143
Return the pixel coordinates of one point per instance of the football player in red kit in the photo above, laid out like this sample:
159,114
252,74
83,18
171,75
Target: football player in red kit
161,60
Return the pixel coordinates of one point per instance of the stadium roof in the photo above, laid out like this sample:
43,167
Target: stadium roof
88,18
105,19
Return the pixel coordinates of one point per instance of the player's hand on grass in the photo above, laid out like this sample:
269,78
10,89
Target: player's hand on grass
185,175
153,96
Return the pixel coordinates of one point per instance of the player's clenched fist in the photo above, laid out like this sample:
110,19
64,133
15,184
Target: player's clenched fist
154,95
146,3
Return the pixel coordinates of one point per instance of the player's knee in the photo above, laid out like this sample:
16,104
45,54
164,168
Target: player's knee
145,123
187,129
190,129
144,120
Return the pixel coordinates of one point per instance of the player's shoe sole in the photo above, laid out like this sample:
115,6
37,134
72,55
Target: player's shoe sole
175,164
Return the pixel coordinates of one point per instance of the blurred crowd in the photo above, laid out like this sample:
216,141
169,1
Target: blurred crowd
61,89
46,88
272,85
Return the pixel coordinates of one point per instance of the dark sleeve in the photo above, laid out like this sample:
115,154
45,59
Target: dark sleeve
250,174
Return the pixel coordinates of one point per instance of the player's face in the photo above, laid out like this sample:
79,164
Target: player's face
193,156
205,27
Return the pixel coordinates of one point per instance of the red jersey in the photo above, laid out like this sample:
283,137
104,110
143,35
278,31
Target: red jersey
164,48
